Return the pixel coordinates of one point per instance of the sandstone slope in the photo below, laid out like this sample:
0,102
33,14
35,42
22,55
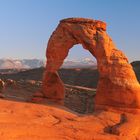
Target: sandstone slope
27,121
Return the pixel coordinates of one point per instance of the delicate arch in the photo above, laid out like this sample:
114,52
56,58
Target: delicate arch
117,85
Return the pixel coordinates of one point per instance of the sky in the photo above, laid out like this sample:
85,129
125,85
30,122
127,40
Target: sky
26,25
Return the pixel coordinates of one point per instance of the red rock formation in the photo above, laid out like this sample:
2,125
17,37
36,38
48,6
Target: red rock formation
117,85
53,86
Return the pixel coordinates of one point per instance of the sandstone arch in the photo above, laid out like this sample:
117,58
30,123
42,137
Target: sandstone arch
117,85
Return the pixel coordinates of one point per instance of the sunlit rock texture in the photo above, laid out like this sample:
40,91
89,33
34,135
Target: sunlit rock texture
117,84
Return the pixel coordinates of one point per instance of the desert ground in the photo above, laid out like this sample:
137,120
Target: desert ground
23,119
28,121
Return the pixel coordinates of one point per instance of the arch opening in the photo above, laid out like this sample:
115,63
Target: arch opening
79,68
78,57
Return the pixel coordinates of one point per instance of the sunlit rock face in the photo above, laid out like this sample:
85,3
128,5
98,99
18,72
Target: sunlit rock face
117,85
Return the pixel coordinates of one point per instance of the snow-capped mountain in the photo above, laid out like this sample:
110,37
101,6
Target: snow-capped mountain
84,63
21,64
33,63
36,63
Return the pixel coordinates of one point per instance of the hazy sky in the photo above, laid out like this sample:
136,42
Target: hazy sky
25,25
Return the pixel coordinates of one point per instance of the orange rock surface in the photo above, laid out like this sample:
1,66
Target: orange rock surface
117,85
27,121
23,120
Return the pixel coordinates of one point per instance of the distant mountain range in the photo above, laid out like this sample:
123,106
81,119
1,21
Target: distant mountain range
36,63
83,77
83,63
21,64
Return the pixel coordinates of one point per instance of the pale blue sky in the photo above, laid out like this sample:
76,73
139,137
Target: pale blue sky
25,25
